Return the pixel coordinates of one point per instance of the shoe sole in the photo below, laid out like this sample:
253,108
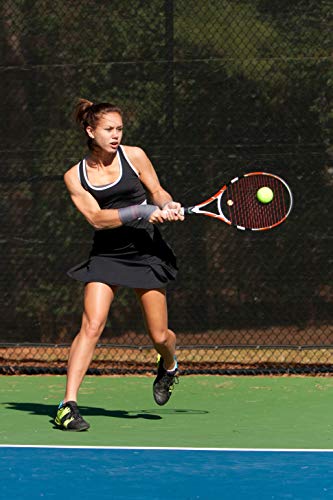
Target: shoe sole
160,403
63,428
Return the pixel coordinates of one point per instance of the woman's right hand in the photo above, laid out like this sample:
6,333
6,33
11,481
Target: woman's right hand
159,216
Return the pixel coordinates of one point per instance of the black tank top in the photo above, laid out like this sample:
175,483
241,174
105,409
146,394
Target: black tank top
125,191
137,237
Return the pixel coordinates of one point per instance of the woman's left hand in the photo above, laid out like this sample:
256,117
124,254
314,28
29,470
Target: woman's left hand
172,209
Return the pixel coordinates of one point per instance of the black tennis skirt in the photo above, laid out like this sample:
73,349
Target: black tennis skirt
130,258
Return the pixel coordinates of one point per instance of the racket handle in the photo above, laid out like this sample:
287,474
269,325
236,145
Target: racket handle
186,211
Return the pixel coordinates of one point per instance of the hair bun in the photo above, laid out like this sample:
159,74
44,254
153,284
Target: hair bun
82,106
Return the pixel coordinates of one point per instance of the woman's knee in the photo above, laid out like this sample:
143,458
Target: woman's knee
92,328
162,337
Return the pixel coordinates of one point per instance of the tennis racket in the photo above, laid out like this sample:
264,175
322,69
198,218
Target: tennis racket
237,204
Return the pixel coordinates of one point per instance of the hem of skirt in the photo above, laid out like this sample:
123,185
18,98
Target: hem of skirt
126,285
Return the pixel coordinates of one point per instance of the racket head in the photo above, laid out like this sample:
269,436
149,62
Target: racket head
239,206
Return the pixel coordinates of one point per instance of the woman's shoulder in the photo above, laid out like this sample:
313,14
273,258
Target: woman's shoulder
134,152
71,175
71,170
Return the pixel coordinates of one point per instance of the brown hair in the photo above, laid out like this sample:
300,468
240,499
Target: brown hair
88,114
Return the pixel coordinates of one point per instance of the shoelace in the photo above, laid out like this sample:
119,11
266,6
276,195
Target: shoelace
74,411
169,381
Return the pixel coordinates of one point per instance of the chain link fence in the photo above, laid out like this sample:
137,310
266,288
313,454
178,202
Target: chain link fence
211,89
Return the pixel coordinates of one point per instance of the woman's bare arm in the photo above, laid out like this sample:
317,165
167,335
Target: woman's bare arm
90,209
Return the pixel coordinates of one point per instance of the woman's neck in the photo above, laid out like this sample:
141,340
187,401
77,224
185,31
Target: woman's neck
101,159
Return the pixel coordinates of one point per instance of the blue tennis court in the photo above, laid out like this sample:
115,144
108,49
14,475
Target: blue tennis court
160,473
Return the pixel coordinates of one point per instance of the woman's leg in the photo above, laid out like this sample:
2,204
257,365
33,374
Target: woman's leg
154,307
98,298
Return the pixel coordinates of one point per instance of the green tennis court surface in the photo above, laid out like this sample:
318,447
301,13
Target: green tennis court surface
204,411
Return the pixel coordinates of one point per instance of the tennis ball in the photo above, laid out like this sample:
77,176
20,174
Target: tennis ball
265,195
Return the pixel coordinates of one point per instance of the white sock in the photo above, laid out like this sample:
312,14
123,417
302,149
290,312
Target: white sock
174,368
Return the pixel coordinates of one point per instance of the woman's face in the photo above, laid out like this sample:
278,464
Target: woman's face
108,132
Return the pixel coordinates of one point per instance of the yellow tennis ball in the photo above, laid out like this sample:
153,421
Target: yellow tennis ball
265,195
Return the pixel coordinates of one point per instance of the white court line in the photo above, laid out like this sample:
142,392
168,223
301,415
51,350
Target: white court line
170,448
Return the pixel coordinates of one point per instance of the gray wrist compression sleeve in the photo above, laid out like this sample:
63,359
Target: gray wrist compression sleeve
128,214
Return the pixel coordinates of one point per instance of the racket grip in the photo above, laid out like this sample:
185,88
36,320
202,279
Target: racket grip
186,211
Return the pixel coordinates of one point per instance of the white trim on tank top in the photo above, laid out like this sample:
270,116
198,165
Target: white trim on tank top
101,188
144,202
129,161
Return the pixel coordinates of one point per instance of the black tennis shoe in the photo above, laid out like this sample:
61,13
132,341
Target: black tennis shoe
164,383
68,418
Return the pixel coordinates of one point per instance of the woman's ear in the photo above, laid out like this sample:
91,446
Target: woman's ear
90,132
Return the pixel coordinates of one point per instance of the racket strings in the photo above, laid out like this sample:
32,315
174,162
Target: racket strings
245,210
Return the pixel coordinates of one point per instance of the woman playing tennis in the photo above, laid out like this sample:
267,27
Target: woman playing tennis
110,188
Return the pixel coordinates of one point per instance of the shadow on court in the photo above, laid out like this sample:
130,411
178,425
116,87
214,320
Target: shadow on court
151,414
